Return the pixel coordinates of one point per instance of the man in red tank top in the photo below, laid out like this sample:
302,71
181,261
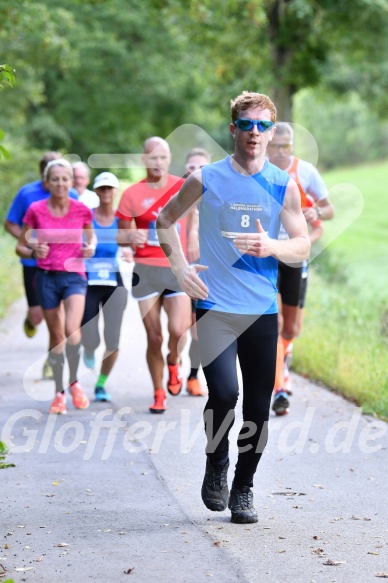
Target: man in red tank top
153,283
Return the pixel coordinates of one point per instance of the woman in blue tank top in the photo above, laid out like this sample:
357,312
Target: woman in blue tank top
106,291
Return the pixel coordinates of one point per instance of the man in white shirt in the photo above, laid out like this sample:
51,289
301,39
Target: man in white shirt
81,181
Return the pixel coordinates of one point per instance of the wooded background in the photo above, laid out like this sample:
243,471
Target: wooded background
100,76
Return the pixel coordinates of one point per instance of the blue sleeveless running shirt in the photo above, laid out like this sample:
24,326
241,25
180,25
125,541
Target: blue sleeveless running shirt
230,204
103,267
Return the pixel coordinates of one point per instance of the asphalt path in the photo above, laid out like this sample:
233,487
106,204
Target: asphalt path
112,493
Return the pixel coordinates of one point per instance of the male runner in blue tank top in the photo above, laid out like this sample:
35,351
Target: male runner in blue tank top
241,201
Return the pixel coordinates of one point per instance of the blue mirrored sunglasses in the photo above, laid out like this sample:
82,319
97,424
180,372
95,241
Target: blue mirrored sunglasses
247,124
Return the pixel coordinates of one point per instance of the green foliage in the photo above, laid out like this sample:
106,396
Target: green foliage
3,453
7,79
100,76
339,126
3,151
7,76
11,286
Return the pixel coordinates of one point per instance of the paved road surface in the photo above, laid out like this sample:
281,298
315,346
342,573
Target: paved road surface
99,492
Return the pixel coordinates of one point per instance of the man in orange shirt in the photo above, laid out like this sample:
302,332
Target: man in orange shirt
153,283
290,278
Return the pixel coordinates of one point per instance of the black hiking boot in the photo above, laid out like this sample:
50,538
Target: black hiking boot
241,505
215,490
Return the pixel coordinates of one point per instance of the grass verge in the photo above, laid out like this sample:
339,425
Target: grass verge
344,344
11,284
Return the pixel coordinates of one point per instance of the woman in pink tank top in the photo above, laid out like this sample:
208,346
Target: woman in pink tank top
58,233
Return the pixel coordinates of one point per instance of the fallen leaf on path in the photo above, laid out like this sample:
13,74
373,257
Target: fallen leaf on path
129,571
55,483
6,546
372,553
354,517
282,551
62,545
38,559
316,537
22,569
288,494
333,563
382,575
319,552
217,543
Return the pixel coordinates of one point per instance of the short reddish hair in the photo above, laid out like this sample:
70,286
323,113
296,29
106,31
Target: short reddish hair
248,99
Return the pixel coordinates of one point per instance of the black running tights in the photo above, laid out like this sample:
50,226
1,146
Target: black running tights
253,339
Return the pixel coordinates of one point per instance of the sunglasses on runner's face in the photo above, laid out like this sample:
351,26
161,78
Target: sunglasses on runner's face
193,167
247,124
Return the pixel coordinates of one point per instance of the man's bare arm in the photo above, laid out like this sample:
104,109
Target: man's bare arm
12,228
178,206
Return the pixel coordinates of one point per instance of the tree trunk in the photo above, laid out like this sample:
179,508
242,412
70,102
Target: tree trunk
282,56
282,97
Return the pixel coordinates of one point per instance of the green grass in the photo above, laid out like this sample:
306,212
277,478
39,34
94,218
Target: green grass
11,279
363,244
342,345
344,341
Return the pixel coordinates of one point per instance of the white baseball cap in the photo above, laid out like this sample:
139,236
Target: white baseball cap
106,179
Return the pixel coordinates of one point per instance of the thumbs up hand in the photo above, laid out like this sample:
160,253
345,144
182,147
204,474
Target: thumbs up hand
259,226
254,244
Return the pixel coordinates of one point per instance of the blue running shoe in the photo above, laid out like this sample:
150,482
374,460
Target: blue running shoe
89,359
280,403
101,394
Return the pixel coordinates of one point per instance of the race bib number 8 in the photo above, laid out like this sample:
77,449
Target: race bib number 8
238,217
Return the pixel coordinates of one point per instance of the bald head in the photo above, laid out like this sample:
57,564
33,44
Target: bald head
155,142
156,158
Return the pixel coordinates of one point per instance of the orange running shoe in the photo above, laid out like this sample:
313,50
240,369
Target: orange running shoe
194,387
159,406
80,400
58,406
174,383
